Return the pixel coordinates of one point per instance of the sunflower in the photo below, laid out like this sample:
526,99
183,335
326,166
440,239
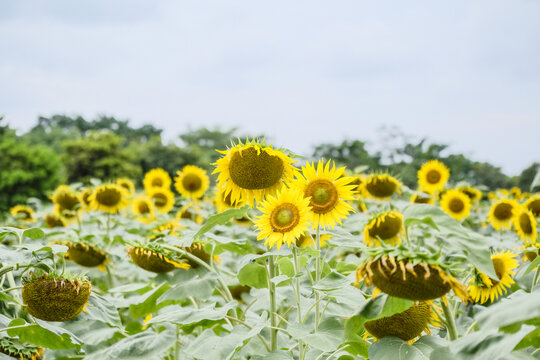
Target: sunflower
110,198
533,204
422,198
85,255
408,279
456,204
53,220
143,207
190,212
191,182
285,217
84,198
223,202
405,325
358,181
23,213
525,225
168,228
306,240
66,199
154,261
385,228
381,186
253,170
162,198
126,184
327,191
501,213
17,349
156,178
515,192
433,175
484,288
473,193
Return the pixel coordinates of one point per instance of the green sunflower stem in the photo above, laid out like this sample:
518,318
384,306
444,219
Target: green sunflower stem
535,280
318,275
272,293
297,293
108,226
450,321
177,344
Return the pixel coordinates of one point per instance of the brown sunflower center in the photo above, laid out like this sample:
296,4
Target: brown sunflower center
525,224
503,211
387,228
191,182
143,207
109,197
456,205
67,201
381,188
419,199
433,176
157,182
160,199
284,218
125,185
324,196
86,197
253,171
534,207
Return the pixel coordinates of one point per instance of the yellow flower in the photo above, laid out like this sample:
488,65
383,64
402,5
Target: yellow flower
515,192
191,182
249,172
306,240
162,198
533,204
327,190
285,217
473,193
143,206
190,212
154,261
456,204
484,288
156,178
381,186
525,225
23,213
422,198
223,202
501,213
386,228
109,198
66,199
433,175
84,199
53,220
169,228
126,184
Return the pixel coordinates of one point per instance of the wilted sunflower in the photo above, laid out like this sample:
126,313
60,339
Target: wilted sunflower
143,207
533,204
17,349
285,217
405,325
154,261
456,204
110,198
126,184
483,288
327,190
66,200
53,220
305,240
386,227
433,175
253,170
23,213
84,254
191,182
401,278
525,225
156,178
381,186
473,193
501,213
84,198
162,198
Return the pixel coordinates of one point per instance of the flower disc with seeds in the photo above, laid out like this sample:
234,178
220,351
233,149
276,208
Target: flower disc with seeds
85,255
153,261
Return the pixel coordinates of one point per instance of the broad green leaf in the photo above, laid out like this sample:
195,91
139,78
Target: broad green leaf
34,233
199,288
148,301
519,307
275,355
101,309
394,305
286,266
222,219
372,308
390,348
188,315
43,334
253,275
328,337
332,281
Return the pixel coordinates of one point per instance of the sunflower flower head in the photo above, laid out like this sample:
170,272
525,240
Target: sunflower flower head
109,198
381,186
162,199
143,207
433,175
192,182
156,178
533,204
501,213
22,212
66,201
384,228
525,225
126,184
456,204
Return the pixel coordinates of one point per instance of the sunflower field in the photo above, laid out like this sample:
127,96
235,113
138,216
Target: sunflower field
270,257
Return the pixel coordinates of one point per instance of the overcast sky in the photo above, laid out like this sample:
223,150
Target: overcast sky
466,73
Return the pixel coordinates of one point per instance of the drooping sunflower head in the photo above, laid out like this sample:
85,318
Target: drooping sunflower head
144,208
190,212
22,212
52,220
381,186
191,182
422,198
501,213
17,349
405,325
533,204
154,260
84,254
456,204
327,190
162,199
483,288
169,228
308,240
66,198
126,184
433,175
253,170
156,178
84,198
285,217
384,228
110,198
525,225
473,193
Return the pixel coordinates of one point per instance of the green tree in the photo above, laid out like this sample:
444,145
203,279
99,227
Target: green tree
349,153
527,175
99,155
